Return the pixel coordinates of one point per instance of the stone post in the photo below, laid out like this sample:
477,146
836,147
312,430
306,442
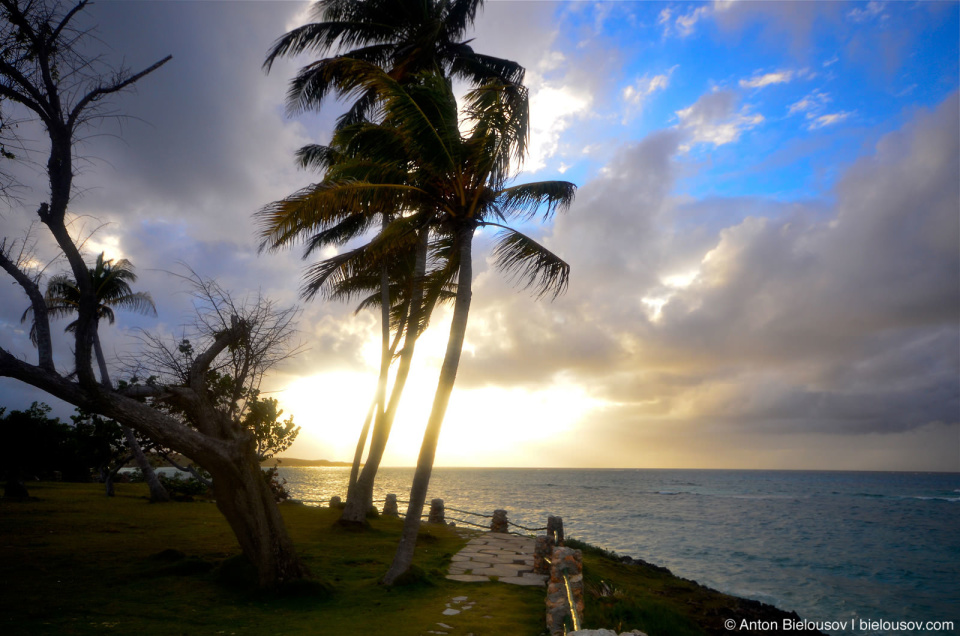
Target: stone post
335,502
436,511
566,570
390,506
499,522
541,554
555,529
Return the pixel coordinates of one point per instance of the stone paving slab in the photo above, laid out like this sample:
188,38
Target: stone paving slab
507,557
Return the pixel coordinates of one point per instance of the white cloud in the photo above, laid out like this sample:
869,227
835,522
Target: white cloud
685,23
637,93
830,119
766,79
869,12
814,102
553,106
714,119
813,106
682,25
646,86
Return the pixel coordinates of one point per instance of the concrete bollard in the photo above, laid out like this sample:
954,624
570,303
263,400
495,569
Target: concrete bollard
335,502
499,521
555,529
541,554
566,569
436,511
390,507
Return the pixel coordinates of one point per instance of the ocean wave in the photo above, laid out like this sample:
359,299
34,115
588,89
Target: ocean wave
950,499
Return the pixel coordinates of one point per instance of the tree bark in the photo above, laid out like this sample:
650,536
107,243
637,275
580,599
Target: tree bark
448,376
245,499
356,509
158,494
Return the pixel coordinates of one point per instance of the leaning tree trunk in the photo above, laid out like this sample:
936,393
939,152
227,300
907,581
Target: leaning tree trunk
356,508
358,454
245,499
158,494
448,376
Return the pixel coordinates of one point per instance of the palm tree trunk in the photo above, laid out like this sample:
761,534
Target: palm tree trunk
448,376
158,494
360,502
381,429
358,454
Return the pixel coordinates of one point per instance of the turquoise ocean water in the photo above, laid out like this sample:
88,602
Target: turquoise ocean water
833,546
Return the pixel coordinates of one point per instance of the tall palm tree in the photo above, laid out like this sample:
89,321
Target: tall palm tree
404,38
459,181
111,285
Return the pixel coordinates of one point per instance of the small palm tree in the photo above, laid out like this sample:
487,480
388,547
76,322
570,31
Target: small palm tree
111,285
457,183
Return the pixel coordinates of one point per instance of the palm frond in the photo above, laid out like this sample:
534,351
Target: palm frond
530,264
140,302
323,205
317,156
525,200
339,234
477,68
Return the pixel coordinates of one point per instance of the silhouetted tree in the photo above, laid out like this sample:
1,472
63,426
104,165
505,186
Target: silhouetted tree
45,70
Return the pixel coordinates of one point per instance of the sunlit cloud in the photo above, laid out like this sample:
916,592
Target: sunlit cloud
713,119
553,108
766,79
830,119
636,95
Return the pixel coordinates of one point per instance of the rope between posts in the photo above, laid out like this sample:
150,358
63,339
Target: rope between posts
469,523
517,525
467,512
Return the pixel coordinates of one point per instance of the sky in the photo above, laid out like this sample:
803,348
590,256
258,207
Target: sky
764,247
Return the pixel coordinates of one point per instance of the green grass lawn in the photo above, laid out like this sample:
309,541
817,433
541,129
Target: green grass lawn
73,561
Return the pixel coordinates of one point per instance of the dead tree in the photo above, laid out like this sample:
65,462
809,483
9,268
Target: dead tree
42,71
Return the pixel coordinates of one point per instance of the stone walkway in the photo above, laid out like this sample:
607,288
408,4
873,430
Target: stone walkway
493,556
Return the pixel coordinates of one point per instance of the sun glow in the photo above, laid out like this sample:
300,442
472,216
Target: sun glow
488,426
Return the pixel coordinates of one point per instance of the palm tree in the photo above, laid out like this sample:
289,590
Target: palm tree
458,182
403,37
111,286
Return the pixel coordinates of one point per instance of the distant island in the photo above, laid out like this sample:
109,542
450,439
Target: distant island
290,461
